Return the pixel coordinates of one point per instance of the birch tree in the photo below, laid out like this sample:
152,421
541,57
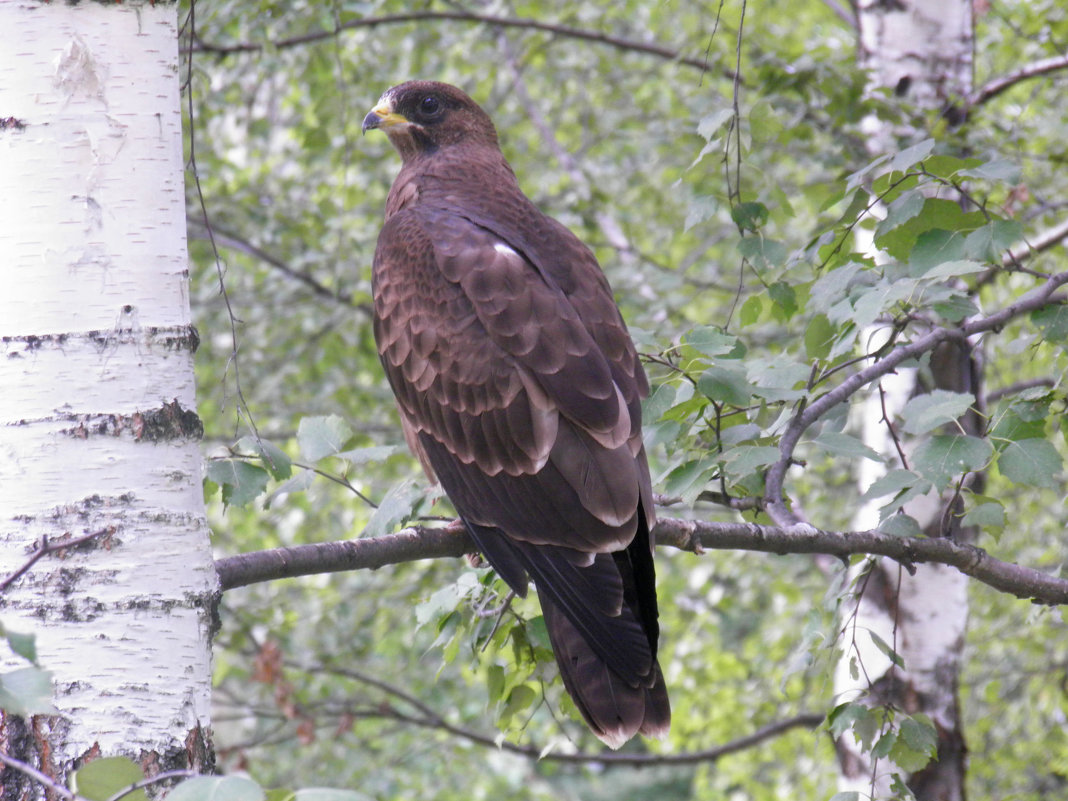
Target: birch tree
920,54
104,554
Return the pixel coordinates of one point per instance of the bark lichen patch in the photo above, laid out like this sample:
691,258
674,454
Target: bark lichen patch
168,422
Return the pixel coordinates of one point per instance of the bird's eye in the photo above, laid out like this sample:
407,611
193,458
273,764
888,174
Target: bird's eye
429,106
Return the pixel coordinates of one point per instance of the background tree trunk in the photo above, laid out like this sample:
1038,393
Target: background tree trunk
922,52
98,433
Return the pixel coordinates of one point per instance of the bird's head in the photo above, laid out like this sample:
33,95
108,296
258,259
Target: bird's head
422,117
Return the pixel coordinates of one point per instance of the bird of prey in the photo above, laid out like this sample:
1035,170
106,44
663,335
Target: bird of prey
519,389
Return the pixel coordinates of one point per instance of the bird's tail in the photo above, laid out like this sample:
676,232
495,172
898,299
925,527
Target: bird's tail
614,708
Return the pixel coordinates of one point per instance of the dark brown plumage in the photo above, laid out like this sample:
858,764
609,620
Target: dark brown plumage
519,389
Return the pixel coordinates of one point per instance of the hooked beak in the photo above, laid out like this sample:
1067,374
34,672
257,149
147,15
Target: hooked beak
383,116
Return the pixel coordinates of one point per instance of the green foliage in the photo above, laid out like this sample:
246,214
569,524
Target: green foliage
104,778
751,298
27,690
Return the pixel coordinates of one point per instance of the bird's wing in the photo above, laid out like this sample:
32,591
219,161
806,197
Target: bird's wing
494,365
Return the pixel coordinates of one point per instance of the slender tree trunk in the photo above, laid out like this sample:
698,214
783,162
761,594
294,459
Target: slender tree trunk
922,52
99,437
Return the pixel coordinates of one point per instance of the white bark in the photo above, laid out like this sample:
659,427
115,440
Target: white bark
97,432
919,50
922,52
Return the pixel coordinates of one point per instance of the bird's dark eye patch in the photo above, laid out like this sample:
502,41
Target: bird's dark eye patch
429,106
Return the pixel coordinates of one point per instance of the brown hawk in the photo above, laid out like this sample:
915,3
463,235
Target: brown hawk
519,388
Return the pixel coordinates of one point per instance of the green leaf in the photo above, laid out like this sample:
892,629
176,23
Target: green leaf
777,379
989,515
926,412
689,478
911,156
103,778
217,788
398,506
374,453
1017,421
711,123
916,744
700,209
319,437
955,308
890,484
725,385
920,734
764,123
882,645
25,645
846,445
751,310
519,699
1031,461
833,286
743,460
843,716
899,525
941,458
947,166
241,482
761,251
934,248
885,745
1053,320
712,341
996,170
989,242
903,209
952,269
26,691
749,216
661,399
299,483
275,460
784,299
819,336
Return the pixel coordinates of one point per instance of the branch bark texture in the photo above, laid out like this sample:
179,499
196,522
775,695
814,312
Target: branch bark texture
420,542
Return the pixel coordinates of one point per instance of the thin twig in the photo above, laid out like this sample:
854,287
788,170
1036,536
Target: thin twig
430,718
565,31
159,777
41,778
46,548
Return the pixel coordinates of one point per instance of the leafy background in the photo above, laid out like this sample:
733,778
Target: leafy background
715,188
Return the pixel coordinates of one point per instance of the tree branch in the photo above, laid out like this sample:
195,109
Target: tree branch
235,242
807,415
565,31
429,718
412,544
992,89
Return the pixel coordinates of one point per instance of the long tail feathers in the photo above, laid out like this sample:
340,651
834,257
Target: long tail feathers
613,708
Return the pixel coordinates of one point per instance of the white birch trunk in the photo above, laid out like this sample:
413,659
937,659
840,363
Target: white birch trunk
98,433
923,53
